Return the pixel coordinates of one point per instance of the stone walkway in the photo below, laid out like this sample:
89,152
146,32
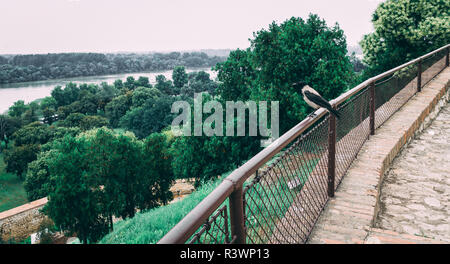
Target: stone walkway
415,193
407,204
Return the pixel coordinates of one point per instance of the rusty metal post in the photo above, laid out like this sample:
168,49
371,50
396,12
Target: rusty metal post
447,57
331,154
237,216
372,108
419,76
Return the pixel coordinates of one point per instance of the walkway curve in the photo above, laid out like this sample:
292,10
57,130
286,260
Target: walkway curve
415,194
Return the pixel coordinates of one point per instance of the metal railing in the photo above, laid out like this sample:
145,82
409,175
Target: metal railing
278,195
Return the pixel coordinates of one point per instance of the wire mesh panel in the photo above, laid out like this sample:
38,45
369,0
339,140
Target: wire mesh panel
215,230
432,66
393,92
282,203
352,130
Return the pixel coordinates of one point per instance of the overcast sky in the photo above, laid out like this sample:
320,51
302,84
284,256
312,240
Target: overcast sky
41,26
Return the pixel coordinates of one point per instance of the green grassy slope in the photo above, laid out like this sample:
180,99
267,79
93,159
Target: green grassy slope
149,227
12,192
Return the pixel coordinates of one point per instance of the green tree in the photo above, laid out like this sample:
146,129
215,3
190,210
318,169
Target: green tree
118,84
404,30
73,120
49,102
143,82
117,108
8,125
164,85
89,104
49,115
17,158
66,96
199,82
17,109
111,174
90,122
60,132
152,116
33,133
282,55
179,77
38,182
130,83
29,116
158,165
75,201
205,157
105,94
142,94
236,76
299,50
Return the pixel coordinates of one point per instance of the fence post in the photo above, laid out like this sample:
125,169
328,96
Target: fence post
237,216
419,76
372,108
331,153
447,57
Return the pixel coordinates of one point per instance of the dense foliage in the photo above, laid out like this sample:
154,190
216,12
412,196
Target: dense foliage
100,174
34,67
282,55
404,30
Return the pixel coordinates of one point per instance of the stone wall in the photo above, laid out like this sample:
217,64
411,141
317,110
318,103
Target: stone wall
20,222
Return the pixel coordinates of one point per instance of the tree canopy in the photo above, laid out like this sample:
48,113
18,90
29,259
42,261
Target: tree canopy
99,174
282,55
404,30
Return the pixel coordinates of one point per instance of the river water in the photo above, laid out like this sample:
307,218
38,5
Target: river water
30,91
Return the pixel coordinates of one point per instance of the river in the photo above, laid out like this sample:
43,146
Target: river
30,91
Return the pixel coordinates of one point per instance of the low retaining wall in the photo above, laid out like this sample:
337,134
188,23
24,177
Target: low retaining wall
20,222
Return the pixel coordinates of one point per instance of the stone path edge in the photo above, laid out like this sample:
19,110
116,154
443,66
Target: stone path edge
429,113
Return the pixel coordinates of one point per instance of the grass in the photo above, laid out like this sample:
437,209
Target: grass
150,226
12,192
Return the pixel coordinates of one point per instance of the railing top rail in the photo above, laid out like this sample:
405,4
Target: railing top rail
199,215
343,97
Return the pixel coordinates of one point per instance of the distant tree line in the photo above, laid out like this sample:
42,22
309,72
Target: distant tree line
23,68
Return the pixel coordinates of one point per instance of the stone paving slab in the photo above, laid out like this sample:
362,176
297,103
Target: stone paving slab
415,193
360,188
383,236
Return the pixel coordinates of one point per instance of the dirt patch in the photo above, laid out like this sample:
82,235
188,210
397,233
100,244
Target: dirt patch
181,189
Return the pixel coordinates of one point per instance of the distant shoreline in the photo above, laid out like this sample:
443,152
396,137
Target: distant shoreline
102,75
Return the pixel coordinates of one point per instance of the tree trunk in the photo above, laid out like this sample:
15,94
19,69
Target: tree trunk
111,227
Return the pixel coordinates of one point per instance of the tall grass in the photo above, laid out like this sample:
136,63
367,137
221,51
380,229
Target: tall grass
150,226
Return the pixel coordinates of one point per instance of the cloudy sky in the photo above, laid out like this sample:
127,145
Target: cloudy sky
41,26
